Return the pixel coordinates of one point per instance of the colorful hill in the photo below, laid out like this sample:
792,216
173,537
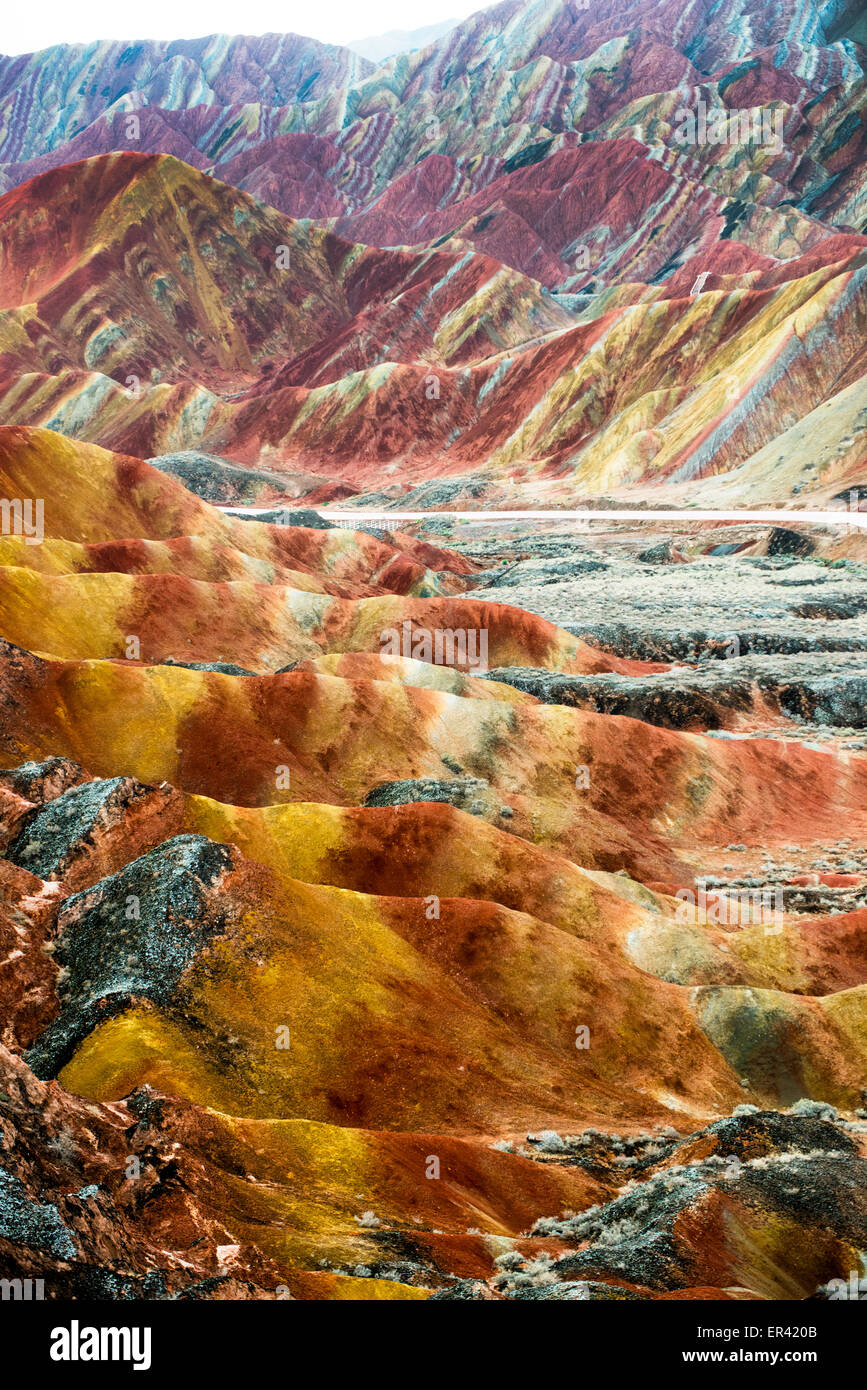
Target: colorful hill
601,298
476,911
177,334
379,967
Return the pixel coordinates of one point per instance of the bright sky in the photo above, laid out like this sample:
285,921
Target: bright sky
26,27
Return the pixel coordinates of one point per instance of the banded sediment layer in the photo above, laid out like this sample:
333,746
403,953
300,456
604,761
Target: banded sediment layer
476,910
559,253
334,971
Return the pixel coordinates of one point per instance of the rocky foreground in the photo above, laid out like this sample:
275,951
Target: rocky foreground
332,969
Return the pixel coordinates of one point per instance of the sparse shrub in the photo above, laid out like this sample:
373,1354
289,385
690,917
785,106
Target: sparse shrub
815,1110
548,1140
510,1259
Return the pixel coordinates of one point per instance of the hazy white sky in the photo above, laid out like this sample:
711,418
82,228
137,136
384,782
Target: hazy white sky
28,26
